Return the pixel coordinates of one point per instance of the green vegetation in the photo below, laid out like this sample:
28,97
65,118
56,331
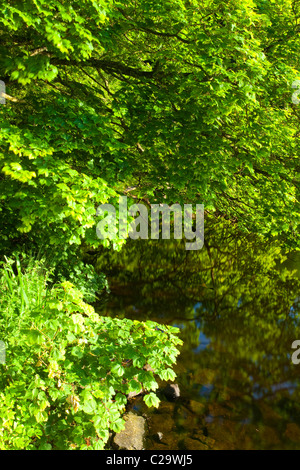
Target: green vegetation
188,101
175,101
68,370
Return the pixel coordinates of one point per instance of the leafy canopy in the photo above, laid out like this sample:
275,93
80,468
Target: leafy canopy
182,102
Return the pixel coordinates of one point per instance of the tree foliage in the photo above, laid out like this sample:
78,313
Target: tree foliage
183,103
168,101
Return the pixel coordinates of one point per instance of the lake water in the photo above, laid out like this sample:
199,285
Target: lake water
236,303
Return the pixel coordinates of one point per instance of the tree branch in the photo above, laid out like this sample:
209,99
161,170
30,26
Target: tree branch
108,66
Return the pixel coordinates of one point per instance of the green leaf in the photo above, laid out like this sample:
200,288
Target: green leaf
151,400
35,337
118,370
90,404
118,425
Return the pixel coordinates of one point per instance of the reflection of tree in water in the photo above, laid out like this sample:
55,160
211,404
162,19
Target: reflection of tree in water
239,314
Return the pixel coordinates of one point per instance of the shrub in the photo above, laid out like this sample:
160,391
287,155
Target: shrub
68,370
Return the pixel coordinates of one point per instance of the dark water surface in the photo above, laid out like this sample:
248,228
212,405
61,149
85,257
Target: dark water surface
237,304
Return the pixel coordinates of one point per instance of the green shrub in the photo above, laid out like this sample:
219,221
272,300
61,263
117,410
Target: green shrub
82,275
68,371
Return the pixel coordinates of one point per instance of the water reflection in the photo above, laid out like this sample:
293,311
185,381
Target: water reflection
236,302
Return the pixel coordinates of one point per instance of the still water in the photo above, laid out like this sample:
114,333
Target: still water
237,305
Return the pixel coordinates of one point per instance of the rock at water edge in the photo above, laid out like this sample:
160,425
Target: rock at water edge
132,437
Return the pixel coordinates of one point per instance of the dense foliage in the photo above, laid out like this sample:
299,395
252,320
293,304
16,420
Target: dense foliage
68,371
166,101
182,100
